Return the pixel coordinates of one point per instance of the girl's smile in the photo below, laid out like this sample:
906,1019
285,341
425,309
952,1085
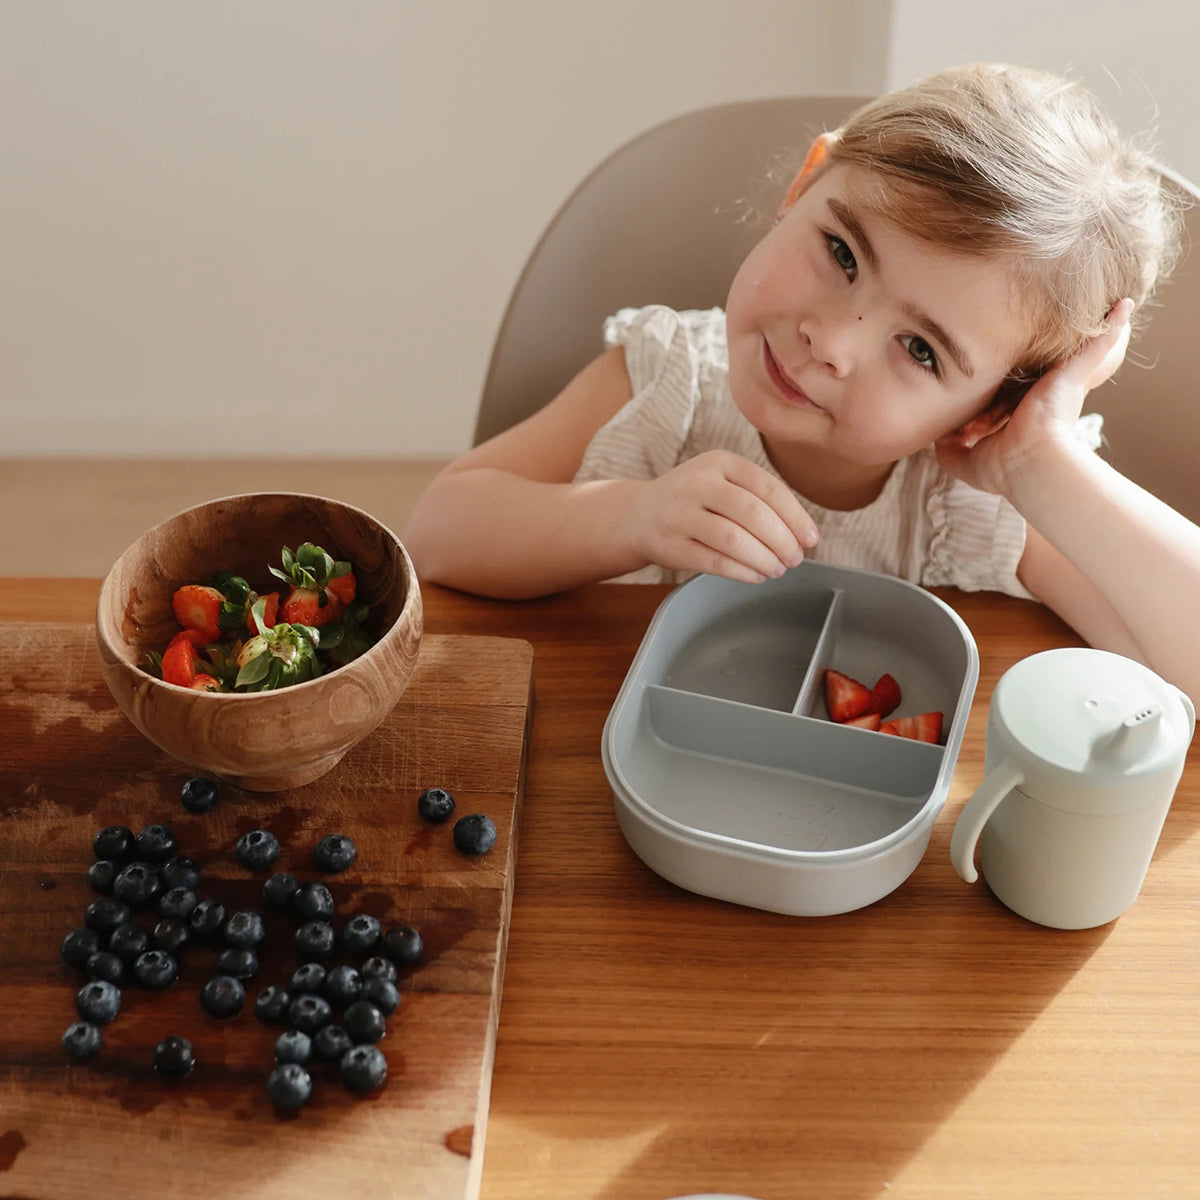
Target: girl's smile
791,393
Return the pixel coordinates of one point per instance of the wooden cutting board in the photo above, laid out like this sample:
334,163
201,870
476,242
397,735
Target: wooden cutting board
70,764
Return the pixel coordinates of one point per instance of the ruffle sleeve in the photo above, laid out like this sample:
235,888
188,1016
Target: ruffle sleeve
644,439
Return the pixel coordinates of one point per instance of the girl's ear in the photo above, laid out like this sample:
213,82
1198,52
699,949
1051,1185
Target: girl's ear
995,416
818,156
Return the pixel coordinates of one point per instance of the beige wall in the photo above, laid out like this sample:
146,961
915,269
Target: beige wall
279,228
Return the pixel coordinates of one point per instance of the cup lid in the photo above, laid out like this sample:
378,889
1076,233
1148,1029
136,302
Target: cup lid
1094,714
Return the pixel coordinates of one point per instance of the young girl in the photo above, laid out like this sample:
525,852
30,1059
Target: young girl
895,383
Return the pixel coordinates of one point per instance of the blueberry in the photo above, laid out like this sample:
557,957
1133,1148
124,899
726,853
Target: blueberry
137,884
364,1022
257,850
279,890
156,969
330,1042
403,945
222,996
180,871
335,853
293,1046
314,939
104,964
128,941
342,986
474,834
361,934
378,967
309,1012
174,1056
244,930
206,920
177,902
102,873
106,914
78,946
436,805
382,993
172,934
239,961
198,795
113,841
289,1086
98,1001
81,1040
314,902
363,1068
272,1005
156,843
308,978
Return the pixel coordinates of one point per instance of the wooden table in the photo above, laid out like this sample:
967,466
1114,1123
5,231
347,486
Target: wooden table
654,1043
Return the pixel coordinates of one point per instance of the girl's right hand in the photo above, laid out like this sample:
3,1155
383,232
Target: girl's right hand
721,514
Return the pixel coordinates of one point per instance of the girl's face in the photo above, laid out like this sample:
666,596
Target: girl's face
852,345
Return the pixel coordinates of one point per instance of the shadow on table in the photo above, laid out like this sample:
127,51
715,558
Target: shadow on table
827,1051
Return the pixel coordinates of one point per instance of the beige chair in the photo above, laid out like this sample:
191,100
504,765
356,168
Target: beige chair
668,217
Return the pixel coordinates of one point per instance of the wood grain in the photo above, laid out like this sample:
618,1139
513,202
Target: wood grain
70,763
654,1043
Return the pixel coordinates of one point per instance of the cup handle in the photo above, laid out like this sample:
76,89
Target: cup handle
974,816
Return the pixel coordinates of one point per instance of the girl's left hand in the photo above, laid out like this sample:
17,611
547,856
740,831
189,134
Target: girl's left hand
993,448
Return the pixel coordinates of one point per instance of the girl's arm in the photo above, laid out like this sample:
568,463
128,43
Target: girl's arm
1116,563
506,519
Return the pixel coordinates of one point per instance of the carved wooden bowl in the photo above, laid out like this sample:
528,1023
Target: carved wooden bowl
260,741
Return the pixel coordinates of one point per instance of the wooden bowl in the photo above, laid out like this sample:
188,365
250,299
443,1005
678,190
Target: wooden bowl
260,741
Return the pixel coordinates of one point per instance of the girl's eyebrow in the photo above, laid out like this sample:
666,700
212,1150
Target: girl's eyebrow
854,227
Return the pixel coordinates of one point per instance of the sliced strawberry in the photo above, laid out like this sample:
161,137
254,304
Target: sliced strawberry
180,660
845,698
199,607
885,696
866,721
270,611
303,607
344,587
926,727
205,683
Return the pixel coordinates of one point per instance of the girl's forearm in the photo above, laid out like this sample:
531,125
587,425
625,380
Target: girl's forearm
498,534
1141,554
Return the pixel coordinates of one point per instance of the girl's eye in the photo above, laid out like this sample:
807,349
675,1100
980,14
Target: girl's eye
920,351
842,255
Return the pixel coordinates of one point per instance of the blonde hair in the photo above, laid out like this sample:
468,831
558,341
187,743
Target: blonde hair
1023,166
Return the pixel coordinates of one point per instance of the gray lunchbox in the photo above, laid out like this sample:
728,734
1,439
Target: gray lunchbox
728,777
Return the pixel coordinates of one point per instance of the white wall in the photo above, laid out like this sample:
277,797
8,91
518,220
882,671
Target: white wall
1139,60
285,228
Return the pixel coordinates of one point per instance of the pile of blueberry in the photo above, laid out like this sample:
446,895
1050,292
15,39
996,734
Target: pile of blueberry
332,1013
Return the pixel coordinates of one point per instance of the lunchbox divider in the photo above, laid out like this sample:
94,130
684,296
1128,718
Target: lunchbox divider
802,745
811,694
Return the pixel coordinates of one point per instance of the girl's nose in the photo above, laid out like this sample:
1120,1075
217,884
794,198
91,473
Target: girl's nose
834,340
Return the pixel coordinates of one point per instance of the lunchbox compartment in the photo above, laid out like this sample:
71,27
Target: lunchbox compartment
759,652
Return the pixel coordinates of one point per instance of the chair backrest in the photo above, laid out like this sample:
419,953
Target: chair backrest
1152,407
667,219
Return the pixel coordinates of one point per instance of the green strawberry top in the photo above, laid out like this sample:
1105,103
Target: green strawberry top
310,567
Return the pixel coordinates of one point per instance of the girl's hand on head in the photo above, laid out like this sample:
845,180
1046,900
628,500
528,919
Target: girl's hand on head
721,514
990,450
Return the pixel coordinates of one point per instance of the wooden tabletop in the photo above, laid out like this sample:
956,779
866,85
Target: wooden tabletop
654,1043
